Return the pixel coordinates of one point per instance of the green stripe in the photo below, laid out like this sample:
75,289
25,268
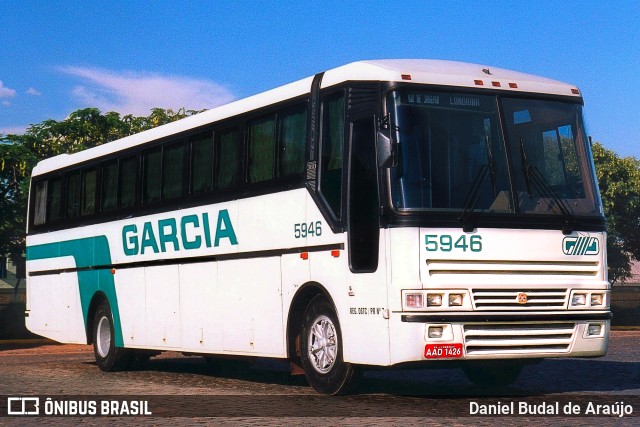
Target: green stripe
87,252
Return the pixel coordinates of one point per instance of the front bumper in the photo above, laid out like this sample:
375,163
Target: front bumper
491,335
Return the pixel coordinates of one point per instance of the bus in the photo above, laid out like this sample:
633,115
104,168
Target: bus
385,213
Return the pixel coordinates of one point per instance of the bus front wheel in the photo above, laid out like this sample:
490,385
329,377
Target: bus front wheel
108,356
321,357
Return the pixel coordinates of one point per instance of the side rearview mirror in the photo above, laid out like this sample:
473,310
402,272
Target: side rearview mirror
386,149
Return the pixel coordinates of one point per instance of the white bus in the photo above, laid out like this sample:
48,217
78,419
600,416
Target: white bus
382,213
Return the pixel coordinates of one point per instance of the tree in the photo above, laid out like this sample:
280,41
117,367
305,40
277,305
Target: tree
619,181
84,128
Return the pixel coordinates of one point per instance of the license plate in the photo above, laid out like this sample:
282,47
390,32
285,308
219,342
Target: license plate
441,351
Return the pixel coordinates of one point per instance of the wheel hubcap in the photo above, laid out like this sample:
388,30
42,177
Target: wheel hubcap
323,344
103,337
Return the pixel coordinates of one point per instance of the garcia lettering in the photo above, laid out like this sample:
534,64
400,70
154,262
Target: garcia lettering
169,234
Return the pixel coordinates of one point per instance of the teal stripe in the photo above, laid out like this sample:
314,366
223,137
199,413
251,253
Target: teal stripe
87,252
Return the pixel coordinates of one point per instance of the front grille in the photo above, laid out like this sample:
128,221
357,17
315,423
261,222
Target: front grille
511,299
449,267
518,338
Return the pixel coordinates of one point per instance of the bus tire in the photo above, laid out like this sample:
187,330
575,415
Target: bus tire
492,374
322,356
108,356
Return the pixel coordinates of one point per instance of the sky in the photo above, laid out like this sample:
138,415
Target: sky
60,56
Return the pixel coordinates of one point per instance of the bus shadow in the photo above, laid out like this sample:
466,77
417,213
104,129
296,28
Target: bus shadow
264,371
548,377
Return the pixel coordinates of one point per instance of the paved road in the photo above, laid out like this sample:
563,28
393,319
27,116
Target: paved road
173,384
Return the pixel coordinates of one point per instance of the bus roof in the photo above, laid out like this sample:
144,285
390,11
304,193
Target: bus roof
416,71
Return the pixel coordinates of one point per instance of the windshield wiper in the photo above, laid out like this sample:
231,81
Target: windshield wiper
491,164
533,177
476,188
473,196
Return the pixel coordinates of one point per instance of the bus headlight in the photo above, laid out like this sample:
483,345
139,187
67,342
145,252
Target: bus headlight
579,299
597,300
434,300
455,300
589,299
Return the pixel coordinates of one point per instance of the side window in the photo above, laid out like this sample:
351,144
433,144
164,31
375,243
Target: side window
172,168
332,151
363,216
128,178
54,200
73,195
228,159
261,149
292,131
109,186
151,168
202,163
88,206
40,202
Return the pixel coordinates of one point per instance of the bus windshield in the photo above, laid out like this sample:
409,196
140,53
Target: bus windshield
456,153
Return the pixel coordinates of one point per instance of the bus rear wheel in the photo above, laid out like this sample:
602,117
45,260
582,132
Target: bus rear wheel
108,356
322,357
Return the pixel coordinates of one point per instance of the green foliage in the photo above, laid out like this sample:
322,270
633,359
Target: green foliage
619,181
83,129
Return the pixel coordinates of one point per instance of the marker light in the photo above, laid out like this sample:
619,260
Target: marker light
579,299
434,300
513,85
435,331
414,300
495,84
455,300
406,77
478,82
597,299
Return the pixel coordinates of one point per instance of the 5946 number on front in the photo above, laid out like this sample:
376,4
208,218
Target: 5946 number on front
449,243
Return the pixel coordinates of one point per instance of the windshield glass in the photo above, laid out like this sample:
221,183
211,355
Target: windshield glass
453,157
549,154
447,143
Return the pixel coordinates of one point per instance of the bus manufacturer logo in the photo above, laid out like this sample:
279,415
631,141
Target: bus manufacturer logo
522,298
582,245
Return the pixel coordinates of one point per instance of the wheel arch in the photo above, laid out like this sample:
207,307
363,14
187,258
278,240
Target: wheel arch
298,305
96,300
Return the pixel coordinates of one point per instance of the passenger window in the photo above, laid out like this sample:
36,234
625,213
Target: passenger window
228,159
73,195
109,186
332,151
292,132
261,149
88,192
40,213
202,163
128,179
152,166
54,200
172,168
